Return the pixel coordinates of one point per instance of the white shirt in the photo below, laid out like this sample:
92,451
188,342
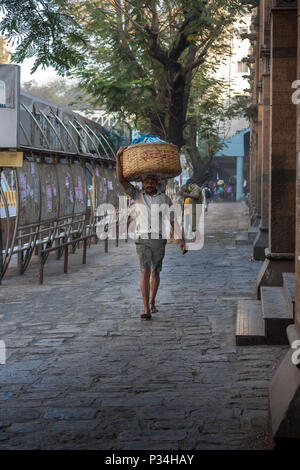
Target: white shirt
152,213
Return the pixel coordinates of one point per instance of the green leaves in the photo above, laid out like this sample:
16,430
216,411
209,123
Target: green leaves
136,58
44,30
210,110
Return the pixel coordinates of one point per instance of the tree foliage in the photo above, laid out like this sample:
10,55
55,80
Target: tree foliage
209,117
60,91
5,53
138,58
43,29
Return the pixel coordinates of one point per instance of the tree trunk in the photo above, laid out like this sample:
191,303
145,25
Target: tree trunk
157,120
200,165
177,111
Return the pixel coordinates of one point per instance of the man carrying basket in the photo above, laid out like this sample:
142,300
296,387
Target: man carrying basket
150,246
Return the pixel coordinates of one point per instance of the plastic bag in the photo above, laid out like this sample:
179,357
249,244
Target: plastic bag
146,139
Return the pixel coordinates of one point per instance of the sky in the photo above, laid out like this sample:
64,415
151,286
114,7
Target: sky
40,76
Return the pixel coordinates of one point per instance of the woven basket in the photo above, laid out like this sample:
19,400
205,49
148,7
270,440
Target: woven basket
155,158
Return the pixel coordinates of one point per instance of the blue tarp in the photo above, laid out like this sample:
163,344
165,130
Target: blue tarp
146,139
234,146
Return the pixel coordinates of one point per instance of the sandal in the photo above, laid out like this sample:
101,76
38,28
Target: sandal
153,309
146,316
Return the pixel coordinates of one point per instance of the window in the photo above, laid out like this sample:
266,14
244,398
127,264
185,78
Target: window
242,67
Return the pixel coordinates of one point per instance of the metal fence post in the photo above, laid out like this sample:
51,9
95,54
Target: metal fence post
84,251
41,274
66,259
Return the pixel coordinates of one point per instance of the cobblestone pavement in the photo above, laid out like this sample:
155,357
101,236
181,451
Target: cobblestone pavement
84,372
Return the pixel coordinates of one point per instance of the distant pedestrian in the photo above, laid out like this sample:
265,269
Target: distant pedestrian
220,190
229,192
194,193
206,194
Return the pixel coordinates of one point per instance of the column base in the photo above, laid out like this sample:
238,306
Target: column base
271,271
284,402
256,221
252,212
260,244
252,233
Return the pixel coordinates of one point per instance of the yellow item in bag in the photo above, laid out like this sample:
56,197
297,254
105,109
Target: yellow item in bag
186,203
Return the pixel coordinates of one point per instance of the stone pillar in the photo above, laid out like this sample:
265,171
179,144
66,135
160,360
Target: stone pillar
281,252
260,112
254,129
285,385
252,172
261,241
257,26
297,257
239,177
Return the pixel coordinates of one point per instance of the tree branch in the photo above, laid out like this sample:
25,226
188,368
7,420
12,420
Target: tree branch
155,50
118,7
182,44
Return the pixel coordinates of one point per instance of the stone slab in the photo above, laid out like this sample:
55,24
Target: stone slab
249,326
274,304
289,285
276,314
285,400
252,233
242,239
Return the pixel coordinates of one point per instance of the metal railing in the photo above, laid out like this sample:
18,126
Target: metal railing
50,202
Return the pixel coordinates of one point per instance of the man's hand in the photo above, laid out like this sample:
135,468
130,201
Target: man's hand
183,247
120,151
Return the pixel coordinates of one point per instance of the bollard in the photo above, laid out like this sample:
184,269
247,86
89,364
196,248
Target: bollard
106,245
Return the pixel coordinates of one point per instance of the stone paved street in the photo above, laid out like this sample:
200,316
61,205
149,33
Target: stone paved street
84,372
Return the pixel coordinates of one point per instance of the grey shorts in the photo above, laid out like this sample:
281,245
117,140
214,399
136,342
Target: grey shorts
151,253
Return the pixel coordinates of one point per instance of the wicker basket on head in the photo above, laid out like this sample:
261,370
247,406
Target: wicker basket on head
159,158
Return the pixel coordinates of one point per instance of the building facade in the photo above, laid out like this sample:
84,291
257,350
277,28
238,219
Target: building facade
275,203
231,162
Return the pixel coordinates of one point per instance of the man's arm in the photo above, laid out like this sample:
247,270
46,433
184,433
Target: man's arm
119,170
177,230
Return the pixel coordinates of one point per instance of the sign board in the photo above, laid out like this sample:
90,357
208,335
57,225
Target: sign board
11,159
2,94
9,105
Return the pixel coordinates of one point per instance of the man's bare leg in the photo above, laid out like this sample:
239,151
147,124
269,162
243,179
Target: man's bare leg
145,289
155,281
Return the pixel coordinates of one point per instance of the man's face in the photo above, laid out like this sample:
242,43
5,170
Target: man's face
150,185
